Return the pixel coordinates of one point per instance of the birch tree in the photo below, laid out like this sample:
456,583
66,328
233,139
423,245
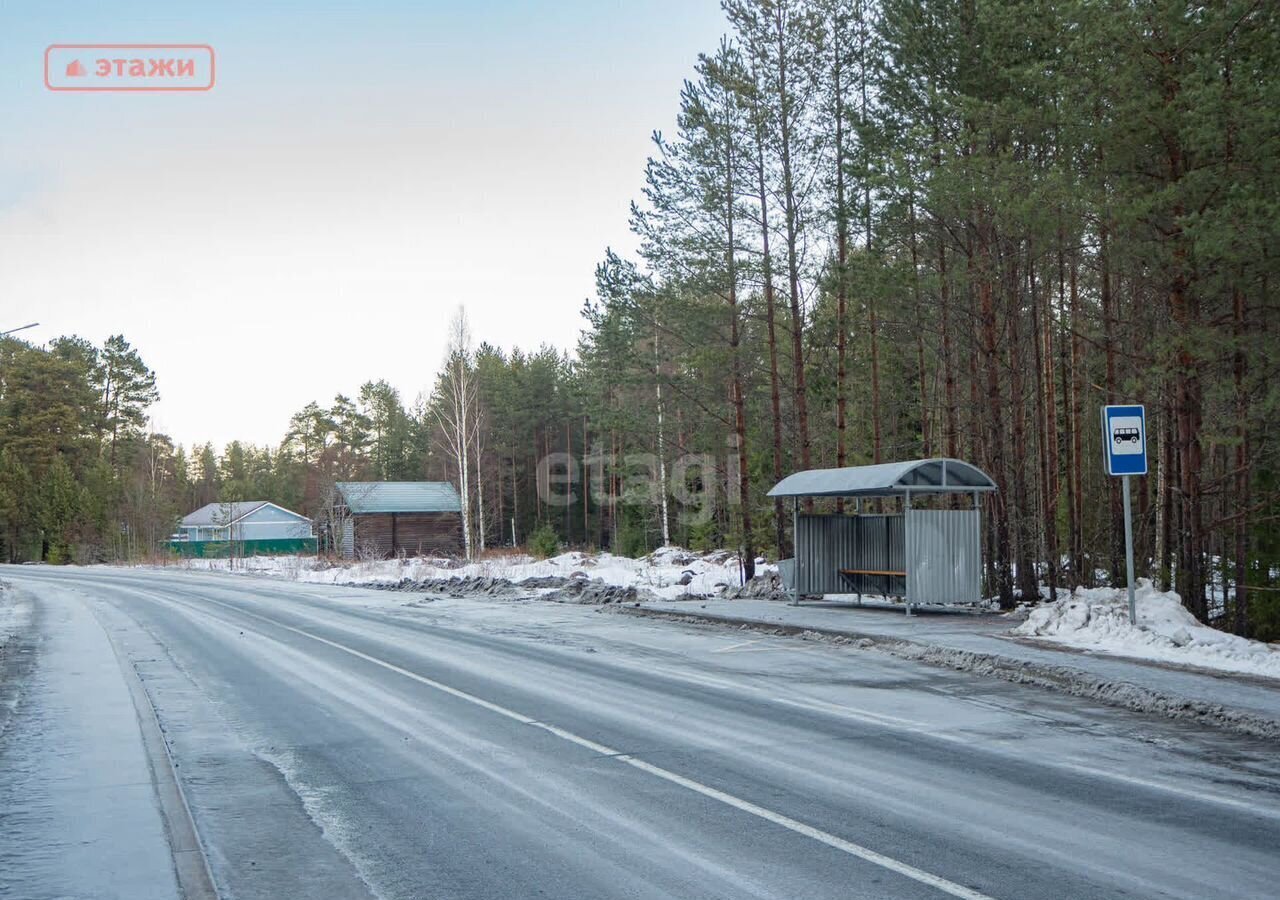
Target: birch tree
456,410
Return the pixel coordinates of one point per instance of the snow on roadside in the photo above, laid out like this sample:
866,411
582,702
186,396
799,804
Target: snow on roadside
1098,619
13,613
668,572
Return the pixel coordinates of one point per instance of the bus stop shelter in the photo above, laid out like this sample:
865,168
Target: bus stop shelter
926,556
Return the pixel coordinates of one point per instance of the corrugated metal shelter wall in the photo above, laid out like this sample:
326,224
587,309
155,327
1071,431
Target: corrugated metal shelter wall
827,544
881,547
822,544
944,547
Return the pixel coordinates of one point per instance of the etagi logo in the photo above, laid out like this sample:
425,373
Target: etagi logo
129,67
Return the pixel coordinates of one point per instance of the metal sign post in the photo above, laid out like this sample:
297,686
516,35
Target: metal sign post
1124,442
1128,550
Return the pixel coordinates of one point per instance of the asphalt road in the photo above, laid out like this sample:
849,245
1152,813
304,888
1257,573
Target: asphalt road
343,743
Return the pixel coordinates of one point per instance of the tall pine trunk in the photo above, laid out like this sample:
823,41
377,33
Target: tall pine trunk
1081,571
791,216
770,305
995,424
842,260
735,362
1115,543
1023,565
873,333
1049,418
1240,534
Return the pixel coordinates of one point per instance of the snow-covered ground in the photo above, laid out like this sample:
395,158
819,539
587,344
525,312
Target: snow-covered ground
1094,619
13,613
1098,619
669,572
8,615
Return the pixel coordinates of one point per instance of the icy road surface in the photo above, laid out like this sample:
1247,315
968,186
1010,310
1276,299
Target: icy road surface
342,743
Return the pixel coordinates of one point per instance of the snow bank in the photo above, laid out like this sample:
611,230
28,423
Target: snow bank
1098,619
668,572
13,613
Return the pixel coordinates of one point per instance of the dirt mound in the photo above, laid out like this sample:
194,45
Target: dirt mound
470,586
763,587
546,581
593,592
568,589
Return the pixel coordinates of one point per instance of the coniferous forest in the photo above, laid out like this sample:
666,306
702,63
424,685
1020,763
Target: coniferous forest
881,231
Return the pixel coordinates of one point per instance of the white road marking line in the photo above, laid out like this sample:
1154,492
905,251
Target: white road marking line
871,856
864,853
1093,771
704,680
736,646
1150,784
756,646
575,739
862,715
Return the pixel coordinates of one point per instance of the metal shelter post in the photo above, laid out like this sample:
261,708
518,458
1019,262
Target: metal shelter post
857,511
906,528
795,551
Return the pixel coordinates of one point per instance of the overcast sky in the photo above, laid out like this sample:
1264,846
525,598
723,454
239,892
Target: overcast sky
359,170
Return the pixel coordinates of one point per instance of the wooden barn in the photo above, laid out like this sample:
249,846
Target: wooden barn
382,519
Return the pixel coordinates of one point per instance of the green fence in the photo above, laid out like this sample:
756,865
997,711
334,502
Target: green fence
222,549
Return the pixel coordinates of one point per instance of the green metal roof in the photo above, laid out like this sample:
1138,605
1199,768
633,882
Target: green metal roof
399,496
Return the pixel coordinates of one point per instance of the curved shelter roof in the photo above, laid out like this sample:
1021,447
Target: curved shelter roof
920,476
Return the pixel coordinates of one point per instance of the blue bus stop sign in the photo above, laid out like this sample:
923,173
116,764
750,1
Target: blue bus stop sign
1124,439
1124,444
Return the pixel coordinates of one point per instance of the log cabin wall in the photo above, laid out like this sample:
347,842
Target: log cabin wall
408,534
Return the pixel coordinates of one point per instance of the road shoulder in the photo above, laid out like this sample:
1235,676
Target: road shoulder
17,648
1244,705
78,807
191,865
